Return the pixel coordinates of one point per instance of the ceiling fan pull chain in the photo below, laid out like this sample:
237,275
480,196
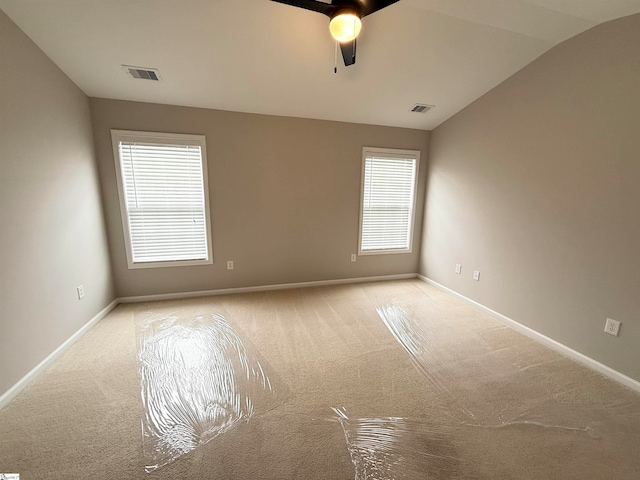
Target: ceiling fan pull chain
335,59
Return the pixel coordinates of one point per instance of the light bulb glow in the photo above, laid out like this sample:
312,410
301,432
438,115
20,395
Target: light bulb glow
345,27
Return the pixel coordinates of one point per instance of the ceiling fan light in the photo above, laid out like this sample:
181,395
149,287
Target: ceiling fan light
345,27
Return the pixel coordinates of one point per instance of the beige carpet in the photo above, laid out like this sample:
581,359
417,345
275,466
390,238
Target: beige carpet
392,380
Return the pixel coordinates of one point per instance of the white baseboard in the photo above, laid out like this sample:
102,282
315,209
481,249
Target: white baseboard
263,288
7,396
543,339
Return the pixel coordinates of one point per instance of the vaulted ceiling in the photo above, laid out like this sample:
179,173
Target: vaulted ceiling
260,56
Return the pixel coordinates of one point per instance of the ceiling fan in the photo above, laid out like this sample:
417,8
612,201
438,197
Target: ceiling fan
345,18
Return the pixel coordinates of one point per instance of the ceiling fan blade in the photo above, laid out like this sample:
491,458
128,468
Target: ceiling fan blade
372,6
315,6
349,52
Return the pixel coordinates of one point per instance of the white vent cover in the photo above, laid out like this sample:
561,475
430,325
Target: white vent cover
142,73
421,108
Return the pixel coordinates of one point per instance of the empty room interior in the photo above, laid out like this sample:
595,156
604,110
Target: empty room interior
275,239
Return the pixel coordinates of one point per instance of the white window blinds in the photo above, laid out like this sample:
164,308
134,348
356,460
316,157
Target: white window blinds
388,192
164,195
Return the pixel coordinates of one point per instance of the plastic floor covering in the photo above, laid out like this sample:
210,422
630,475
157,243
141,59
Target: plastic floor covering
392,380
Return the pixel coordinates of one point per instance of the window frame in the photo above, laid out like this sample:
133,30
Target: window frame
390,153
118,136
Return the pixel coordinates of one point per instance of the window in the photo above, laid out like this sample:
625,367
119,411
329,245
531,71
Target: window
162,183
388,198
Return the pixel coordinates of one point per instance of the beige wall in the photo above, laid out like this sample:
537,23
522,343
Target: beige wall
537,185
284,192
52,235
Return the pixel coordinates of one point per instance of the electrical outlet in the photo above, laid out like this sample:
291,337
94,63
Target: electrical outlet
476,275
458,268
80,290
353,257
612,327
229,264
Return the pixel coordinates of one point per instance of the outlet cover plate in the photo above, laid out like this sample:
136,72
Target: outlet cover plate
476,275
612,327
458,268
229,264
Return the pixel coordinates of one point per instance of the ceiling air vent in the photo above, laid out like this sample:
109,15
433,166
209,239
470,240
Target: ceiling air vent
142,73
421,108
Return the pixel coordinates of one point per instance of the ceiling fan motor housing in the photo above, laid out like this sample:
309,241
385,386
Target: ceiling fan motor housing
343,31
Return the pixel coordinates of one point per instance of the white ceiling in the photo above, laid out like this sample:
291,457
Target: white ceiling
264,57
